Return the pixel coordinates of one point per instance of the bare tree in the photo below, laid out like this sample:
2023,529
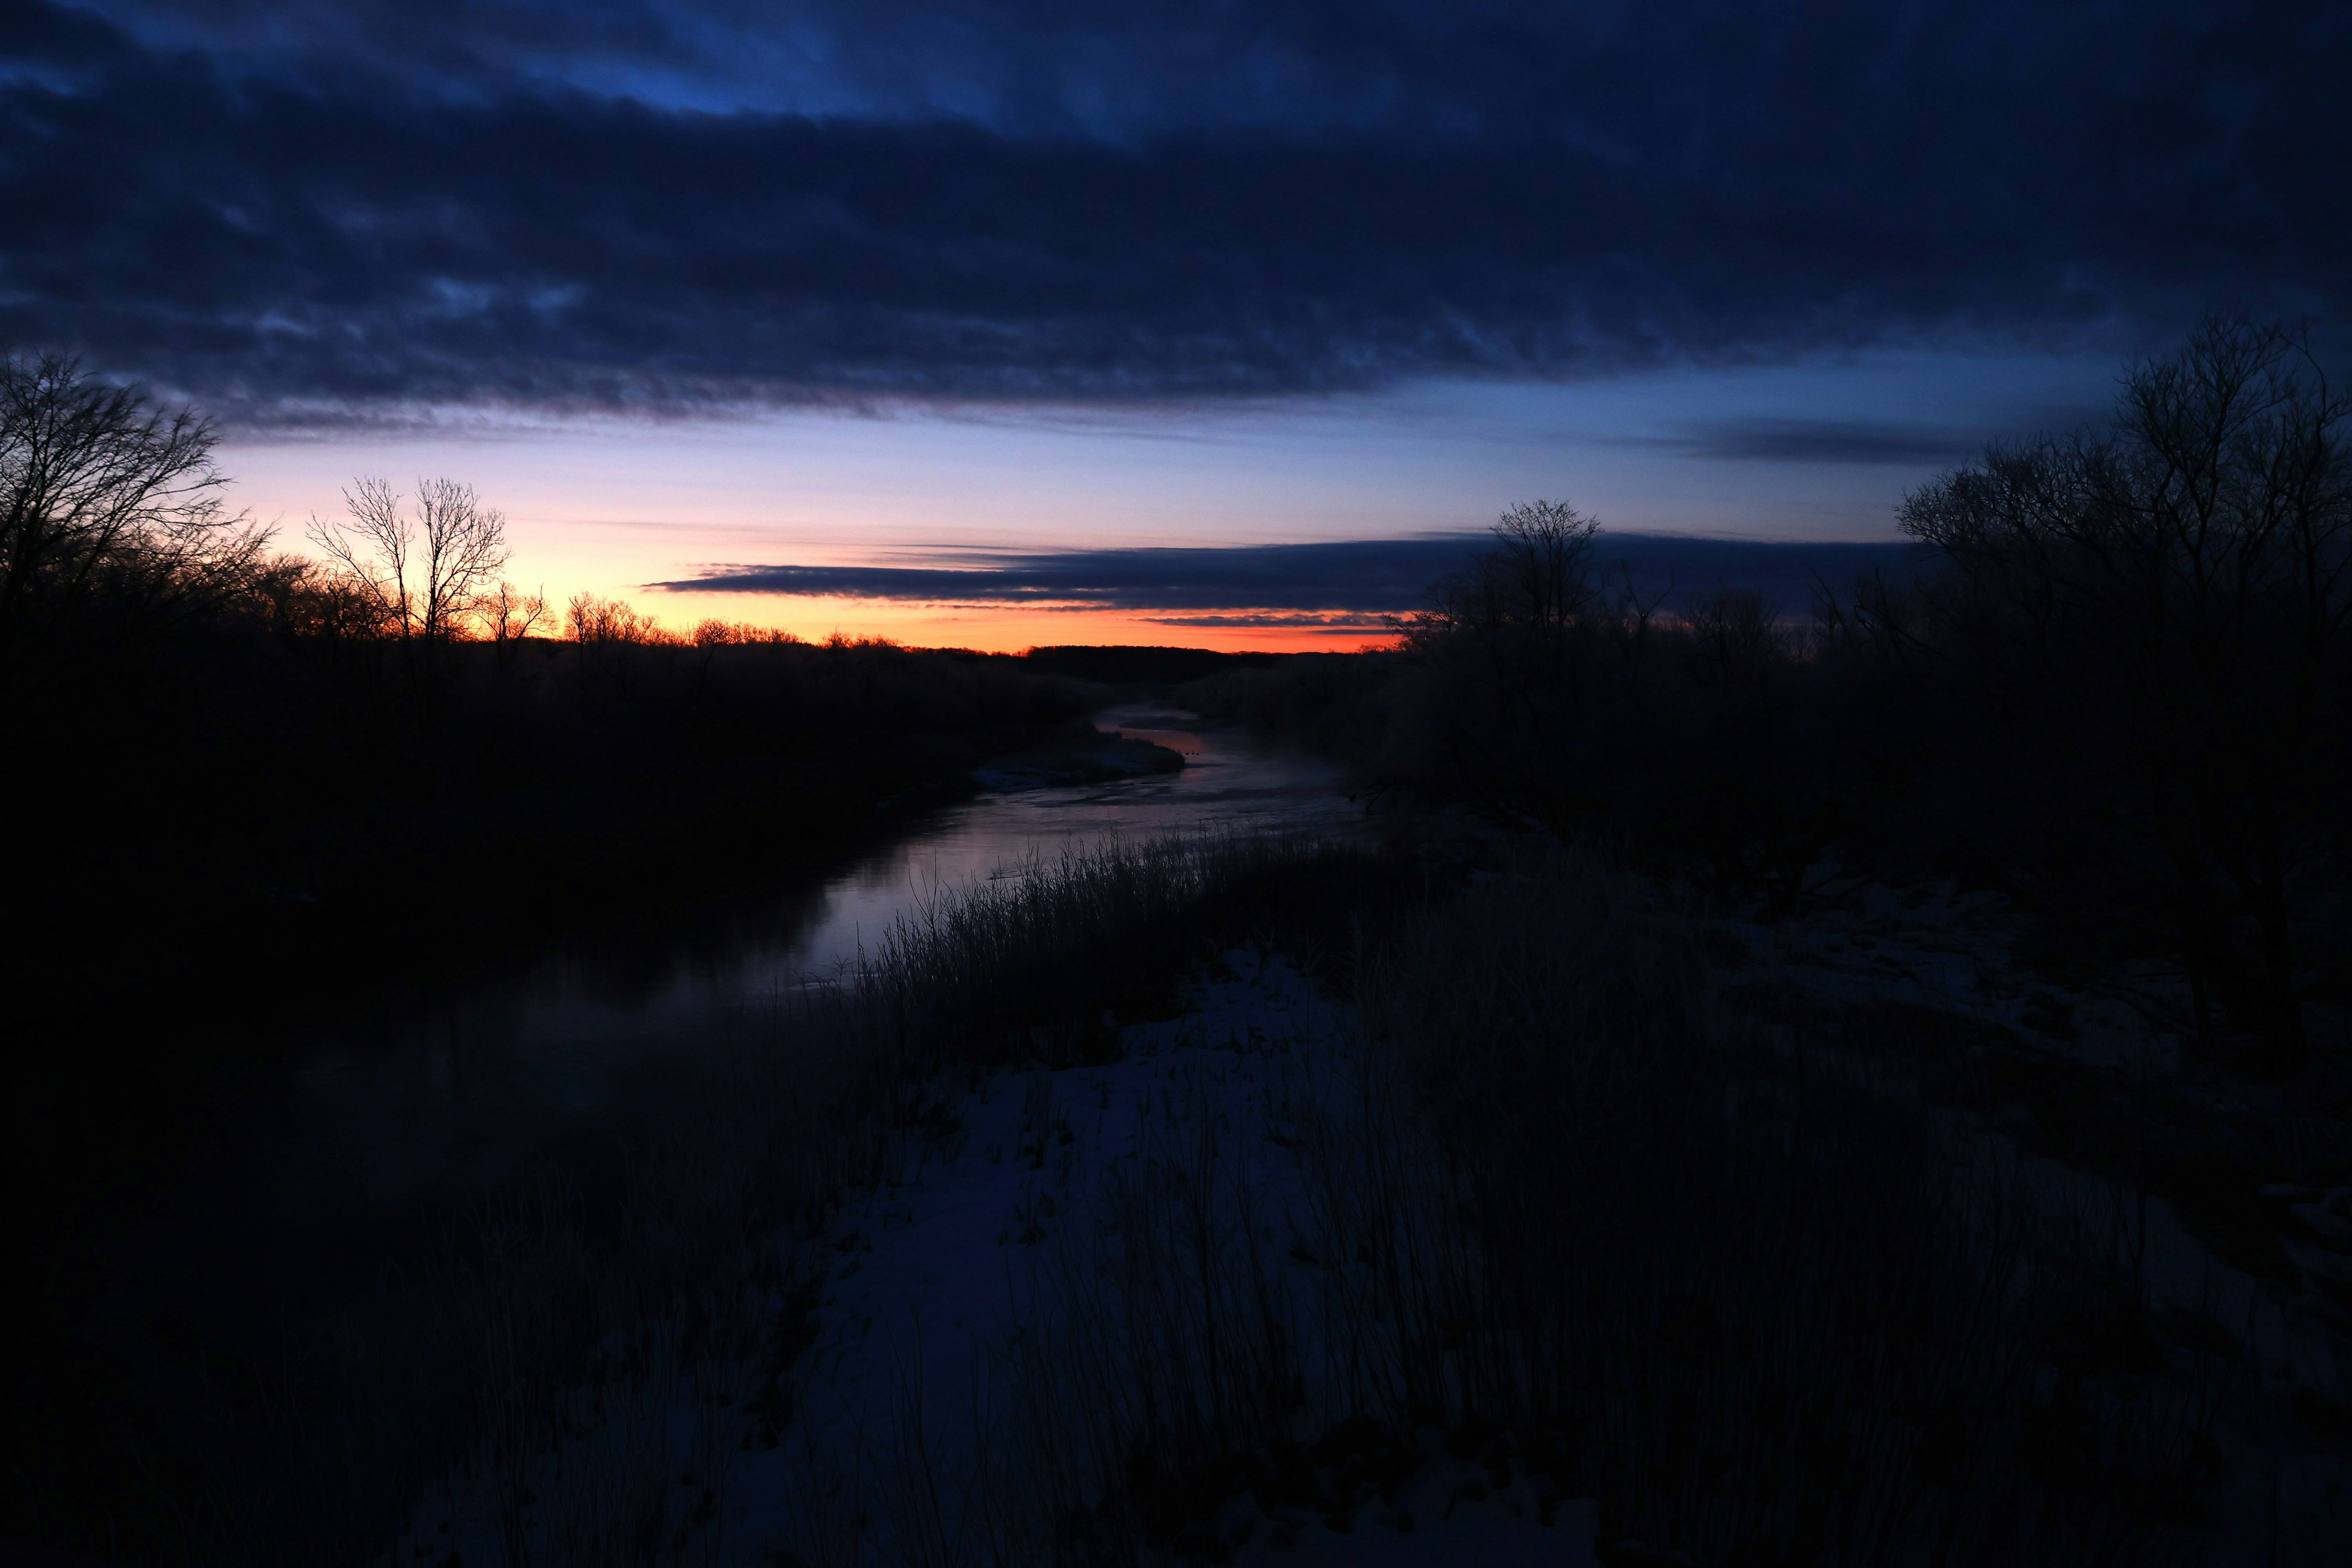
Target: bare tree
594,622
1533,584
2181,583
103,495
370,555
508,615
1542,548
1515,633
425,574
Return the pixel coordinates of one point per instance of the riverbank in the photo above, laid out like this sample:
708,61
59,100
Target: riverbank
1555,1220
297,1415
1757,1238
169,1196
1440,1222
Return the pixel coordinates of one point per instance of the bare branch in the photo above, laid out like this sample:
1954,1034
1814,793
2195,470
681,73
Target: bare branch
96,487
428,574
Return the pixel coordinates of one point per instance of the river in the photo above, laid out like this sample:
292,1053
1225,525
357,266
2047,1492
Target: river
448,1085
239,1254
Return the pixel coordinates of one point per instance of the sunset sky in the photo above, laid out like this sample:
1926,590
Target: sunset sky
697,290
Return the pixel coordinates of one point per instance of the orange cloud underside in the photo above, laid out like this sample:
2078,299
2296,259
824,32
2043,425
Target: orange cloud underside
1008,629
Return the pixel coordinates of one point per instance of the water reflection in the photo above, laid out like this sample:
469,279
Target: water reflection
1225,782
451,1089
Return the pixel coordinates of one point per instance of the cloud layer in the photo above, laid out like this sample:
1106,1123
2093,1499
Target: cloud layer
311,214
1300,584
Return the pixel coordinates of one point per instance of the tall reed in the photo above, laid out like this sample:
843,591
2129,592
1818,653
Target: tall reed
563,1376
1717,1264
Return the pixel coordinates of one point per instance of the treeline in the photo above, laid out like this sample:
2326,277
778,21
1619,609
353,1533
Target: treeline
217,738
2118,688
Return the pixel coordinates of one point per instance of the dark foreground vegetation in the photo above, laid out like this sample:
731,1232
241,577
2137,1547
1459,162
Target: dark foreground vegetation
218,749
1626,1188
1594,1197
1632,1221
522,1357
1605,1191
2117,689
250,789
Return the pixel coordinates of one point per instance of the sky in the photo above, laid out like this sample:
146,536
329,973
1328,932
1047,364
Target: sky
777,312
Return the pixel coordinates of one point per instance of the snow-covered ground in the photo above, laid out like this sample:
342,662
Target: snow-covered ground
2090,1079
933,1275
994,1275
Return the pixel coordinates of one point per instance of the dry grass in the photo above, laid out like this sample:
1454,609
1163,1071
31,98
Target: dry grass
563,1378
1729,1275
1555,1196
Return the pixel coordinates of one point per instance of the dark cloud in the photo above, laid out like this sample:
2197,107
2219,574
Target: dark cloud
1362,577
301,212
1293,585
1359,628
1839,441
1335,625
34,35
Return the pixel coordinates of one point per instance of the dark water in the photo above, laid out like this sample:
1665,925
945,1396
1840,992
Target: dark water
450,1085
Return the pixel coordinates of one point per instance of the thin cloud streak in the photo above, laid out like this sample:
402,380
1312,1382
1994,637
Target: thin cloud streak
1297,584
1839,442
1334,624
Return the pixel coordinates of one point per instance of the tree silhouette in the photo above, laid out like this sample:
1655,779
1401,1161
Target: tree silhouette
111,515
425,575
2175,594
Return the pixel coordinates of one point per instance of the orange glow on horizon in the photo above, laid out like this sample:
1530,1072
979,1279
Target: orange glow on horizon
1011,628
